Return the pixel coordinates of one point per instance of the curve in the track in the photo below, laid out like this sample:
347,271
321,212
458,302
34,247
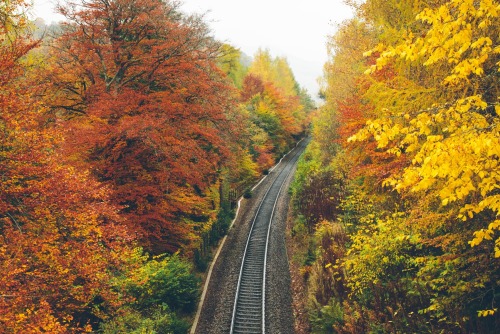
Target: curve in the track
249,304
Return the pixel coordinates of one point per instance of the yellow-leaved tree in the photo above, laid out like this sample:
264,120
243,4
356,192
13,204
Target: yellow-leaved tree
454,139
418,135
442,112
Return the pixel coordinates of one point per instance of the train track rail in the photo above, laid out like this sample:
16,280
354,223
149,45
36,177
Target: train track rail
250,301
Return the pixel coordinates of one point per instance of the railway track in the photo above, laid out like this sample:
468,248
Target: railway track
250,301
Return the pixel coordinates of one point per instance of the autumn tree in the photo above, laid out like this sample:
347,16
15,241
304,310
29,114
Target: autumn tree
419,132
60,240
231,63
449,129
274,70
147,109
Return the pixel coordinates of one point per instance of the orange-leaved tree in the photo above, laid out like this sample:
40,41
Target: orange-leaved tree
147,109
59,237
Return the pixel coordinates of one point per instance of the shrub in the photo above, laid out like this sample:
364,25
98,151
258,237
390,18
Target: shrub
158,292
247,193
160,321
165,280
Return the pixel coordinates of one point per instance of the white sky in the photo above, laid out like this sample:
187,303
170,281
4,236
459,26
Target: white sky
295,29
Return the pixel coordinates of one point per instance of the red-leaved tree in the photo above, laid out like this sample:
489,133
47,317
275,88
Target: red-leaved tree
146,108
59,237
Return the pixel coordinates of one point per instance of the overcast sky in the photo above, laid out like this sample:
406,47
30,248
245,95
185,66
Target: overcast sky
295,29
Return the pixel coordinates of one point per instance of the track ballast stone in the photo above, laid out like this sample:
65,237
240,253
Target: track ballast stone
217,310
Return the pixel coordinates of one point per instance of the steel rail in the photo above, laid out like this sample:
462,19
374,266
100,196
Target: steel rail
249,310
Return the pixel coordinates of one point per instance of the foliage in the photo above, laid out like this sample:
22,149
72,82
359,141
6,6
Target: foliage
274,70
163,290
211,235
411,112
327,316
163,280
453,143
60,238
231,63
276,107
137,117
159,321
124,129
317,189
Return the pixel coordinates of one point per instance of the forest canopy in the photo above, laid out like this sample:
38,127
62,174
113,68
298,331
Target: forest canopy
122,130
399,190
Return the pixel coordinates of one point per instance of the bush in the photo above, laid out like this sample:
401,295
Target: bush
158,292
224,220
200,262
324,318
247,193
211,237
165,280
161,320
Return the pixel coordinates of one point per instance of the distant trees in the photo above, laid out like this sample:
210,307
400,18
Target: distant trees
272,97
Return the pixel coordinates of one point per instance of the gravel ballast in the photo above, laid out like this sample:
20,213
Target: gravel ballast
216,312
